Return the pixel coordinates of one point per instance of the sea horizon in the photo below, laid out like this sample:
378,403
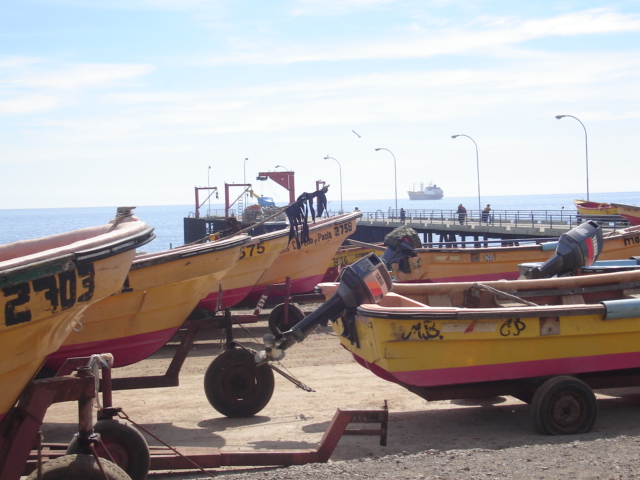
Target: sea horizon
28,223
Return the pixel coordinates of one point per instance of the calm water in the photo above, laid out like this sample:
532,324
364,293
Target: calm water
168,220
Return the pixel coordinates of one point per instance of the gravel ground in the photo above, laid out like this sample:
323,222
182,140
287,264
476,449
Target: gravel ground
614,459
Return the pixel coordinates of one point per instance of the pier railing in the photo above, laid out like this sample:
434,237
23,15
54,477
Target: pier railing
514,218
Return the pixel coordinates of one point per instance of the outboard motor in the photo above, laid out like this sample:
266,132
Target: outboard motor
365,281
577,248
401,244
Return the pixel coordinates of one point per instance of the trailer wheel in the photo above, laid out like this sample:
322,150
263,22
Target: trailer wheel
277,323
79,467
236,386
124,444
564,406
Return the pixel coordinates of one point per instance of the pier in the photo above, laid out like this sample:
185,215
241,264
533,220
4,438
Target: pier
440,227
444,227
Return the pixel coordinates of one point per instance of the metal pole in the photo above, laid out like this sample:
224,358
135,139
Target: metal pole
477,167
395,173
586,148
340,168
209,190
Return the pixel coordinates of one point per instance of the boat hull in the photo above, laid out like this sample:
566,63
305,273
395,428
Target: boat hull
306,266
424,196
427,337
499,263
629,212
256,257
161,291
39,313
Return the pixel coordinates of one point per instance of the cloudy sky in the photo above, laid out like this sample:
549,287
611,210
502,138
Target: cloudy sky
112,102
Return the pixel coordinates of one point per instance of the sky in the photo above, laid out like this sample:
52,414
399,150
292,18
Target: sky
136,102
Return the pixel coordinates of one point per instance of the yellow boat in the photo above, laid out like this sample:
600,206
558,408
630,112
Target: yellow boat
547,341
465,340
48,283
256,257
306,265
160,292
598,209
498,262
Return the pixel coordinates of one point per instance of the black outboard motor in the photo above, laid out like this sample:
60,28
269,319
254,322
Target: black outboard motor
365,281
401,244
577,248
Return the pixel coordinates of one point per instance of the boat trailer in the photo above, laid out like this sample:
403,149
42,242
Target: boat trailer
21,451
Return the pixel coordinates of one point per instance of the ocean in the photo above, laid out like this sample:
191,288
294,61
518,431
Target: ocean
22,224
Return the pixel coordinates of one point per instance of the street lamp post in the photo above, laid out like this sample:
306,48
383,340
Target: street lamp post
586,149
395,173
477,167
340,169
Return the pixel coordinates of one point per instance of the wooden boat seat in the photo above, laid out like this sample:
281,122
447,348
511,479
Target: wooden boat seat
439,300
631,293
572,299
507,303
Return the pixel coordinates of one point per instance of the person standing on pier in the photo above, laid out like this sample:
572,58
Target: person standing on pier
486,213
462,214
402,215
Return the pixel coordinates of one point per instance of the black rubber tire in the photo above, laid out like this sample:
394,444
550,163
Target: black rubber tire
125,445
79,467
236,386
277,323
564,405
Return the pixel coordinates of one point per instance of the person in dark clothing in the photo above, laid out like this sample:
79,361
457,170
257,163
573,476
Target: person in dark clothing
486,213
462,214
402,215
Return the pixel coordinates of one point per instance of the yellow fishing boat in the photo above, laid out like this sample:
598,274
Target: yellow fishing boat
492,262
48,283
159,293
547,341
464,340
256,257
306,264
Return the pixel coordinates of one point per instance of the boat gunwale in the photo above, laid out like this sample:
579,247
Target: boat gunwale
461,313
319,222
69,260
179,253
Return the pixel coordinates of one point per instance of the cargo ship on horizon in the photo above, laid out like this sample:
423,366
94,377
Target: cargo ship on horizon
430,192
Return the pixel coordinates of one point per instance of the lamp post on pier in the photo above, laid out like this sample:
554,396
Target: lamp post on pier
395,174
477,167
586,149
340,169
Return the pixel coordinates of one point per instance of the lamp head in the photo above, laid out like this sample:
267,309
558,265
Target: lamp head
327,157
455,136
378,149
560,116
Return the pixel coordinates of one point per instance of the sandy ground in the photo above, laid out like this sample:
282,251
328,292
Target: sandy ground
294,419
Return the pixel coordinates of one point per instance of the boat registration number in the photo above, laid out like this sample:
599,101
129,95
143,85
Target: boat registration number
252,250
61,292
